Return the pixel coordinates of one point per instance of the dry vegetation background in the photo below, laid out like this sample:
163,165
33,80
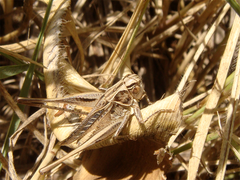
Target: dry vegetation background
185,44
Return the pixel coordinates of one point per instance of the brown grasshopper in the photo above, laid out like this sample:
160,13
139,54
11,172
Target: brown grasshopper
110,113
118,102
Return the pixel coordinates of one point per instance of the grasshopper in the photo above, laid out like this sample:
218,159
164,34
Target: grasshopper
118,102
110,113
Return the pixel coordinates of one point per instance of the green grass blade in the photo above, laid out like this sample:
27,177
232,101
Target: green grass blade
19,62
13,59
8,71
234,5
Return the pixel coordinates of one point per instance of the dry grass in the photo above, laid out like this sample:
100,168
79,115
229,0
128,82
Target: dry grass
189,46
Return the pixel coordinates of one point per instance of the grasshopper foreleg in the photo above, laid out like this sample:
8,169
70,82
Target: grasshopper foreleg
122,125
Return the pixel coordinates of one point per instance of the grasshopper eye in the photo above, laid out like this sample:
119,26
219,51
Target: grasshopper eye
137,92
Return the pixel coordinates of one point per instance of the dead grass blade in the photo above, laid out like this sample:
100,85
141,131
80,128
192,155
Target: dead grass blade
114,63
206,118
231,115
193,57
18,56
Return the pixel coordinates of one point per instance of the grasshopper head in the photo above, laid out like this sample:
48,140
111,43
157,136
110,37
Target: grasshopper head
134,86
